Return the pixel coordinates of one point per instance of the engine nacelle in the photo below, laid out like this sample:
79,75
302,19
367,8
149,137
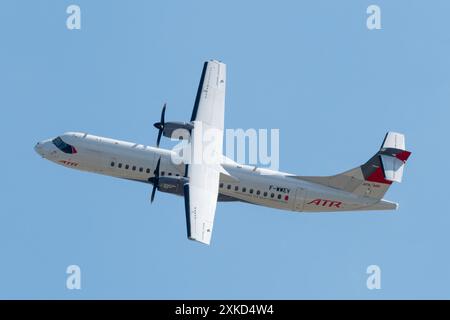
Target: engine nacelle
171,127
173,185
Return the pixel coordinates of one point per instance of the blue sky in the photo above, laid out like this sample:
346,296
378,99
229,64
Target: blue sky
310,68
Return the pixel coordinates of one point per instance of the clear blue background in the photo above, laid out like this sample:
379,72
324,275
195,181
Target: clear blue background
310,68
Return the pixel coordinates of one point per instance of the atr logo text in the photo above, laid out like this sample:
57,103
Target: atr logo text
326,203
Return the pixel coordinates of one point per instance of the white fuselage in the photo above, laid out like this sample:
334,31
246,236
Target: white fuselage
244,183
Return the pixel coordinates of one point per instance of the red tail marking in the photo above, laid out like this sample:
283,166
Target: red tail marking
378,176
404,155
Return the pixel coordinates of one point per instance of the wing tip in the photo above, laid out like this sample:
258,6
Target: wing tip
199,241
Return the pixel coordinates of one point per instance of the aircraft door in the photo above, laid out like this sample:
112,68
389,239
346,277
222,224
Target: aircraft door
299,202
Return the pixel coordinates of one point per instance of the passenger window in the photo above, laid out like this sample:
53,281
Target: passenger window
221,185
148,170
236,188
127,166
170,173
244,189
134,168
272,195
251,191
112,164
265,194
258,192
279,196
229,186
119,165
162,173
141,169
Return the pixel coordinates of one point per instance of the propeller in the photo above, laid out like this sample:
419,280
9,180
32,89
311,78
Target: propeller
160,125
155,180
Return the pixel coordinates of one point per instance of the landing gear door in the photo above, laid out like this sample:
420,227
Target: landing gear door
299,202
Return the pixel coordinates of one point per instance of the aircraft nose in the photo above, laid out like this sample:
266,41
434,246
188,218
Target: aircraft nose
41,149
38,148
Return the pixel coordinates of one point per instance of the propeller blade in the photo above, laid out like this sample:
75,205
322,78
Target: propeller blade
163,114
156,172
153,193
160,125
155,180
158,140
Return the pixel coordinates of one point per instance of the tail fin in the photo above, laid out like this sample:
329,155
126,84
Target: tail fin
373,178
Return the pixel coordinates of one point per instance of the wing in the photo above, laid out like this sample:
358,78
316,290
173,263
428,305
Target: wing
200,202
206,151
209,106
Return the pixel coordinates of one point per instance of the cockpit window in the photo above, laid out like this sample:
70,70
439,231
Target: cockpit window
64,147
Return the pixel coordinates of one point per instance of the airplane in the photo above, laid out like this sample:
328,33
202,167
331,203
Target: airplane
203,184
